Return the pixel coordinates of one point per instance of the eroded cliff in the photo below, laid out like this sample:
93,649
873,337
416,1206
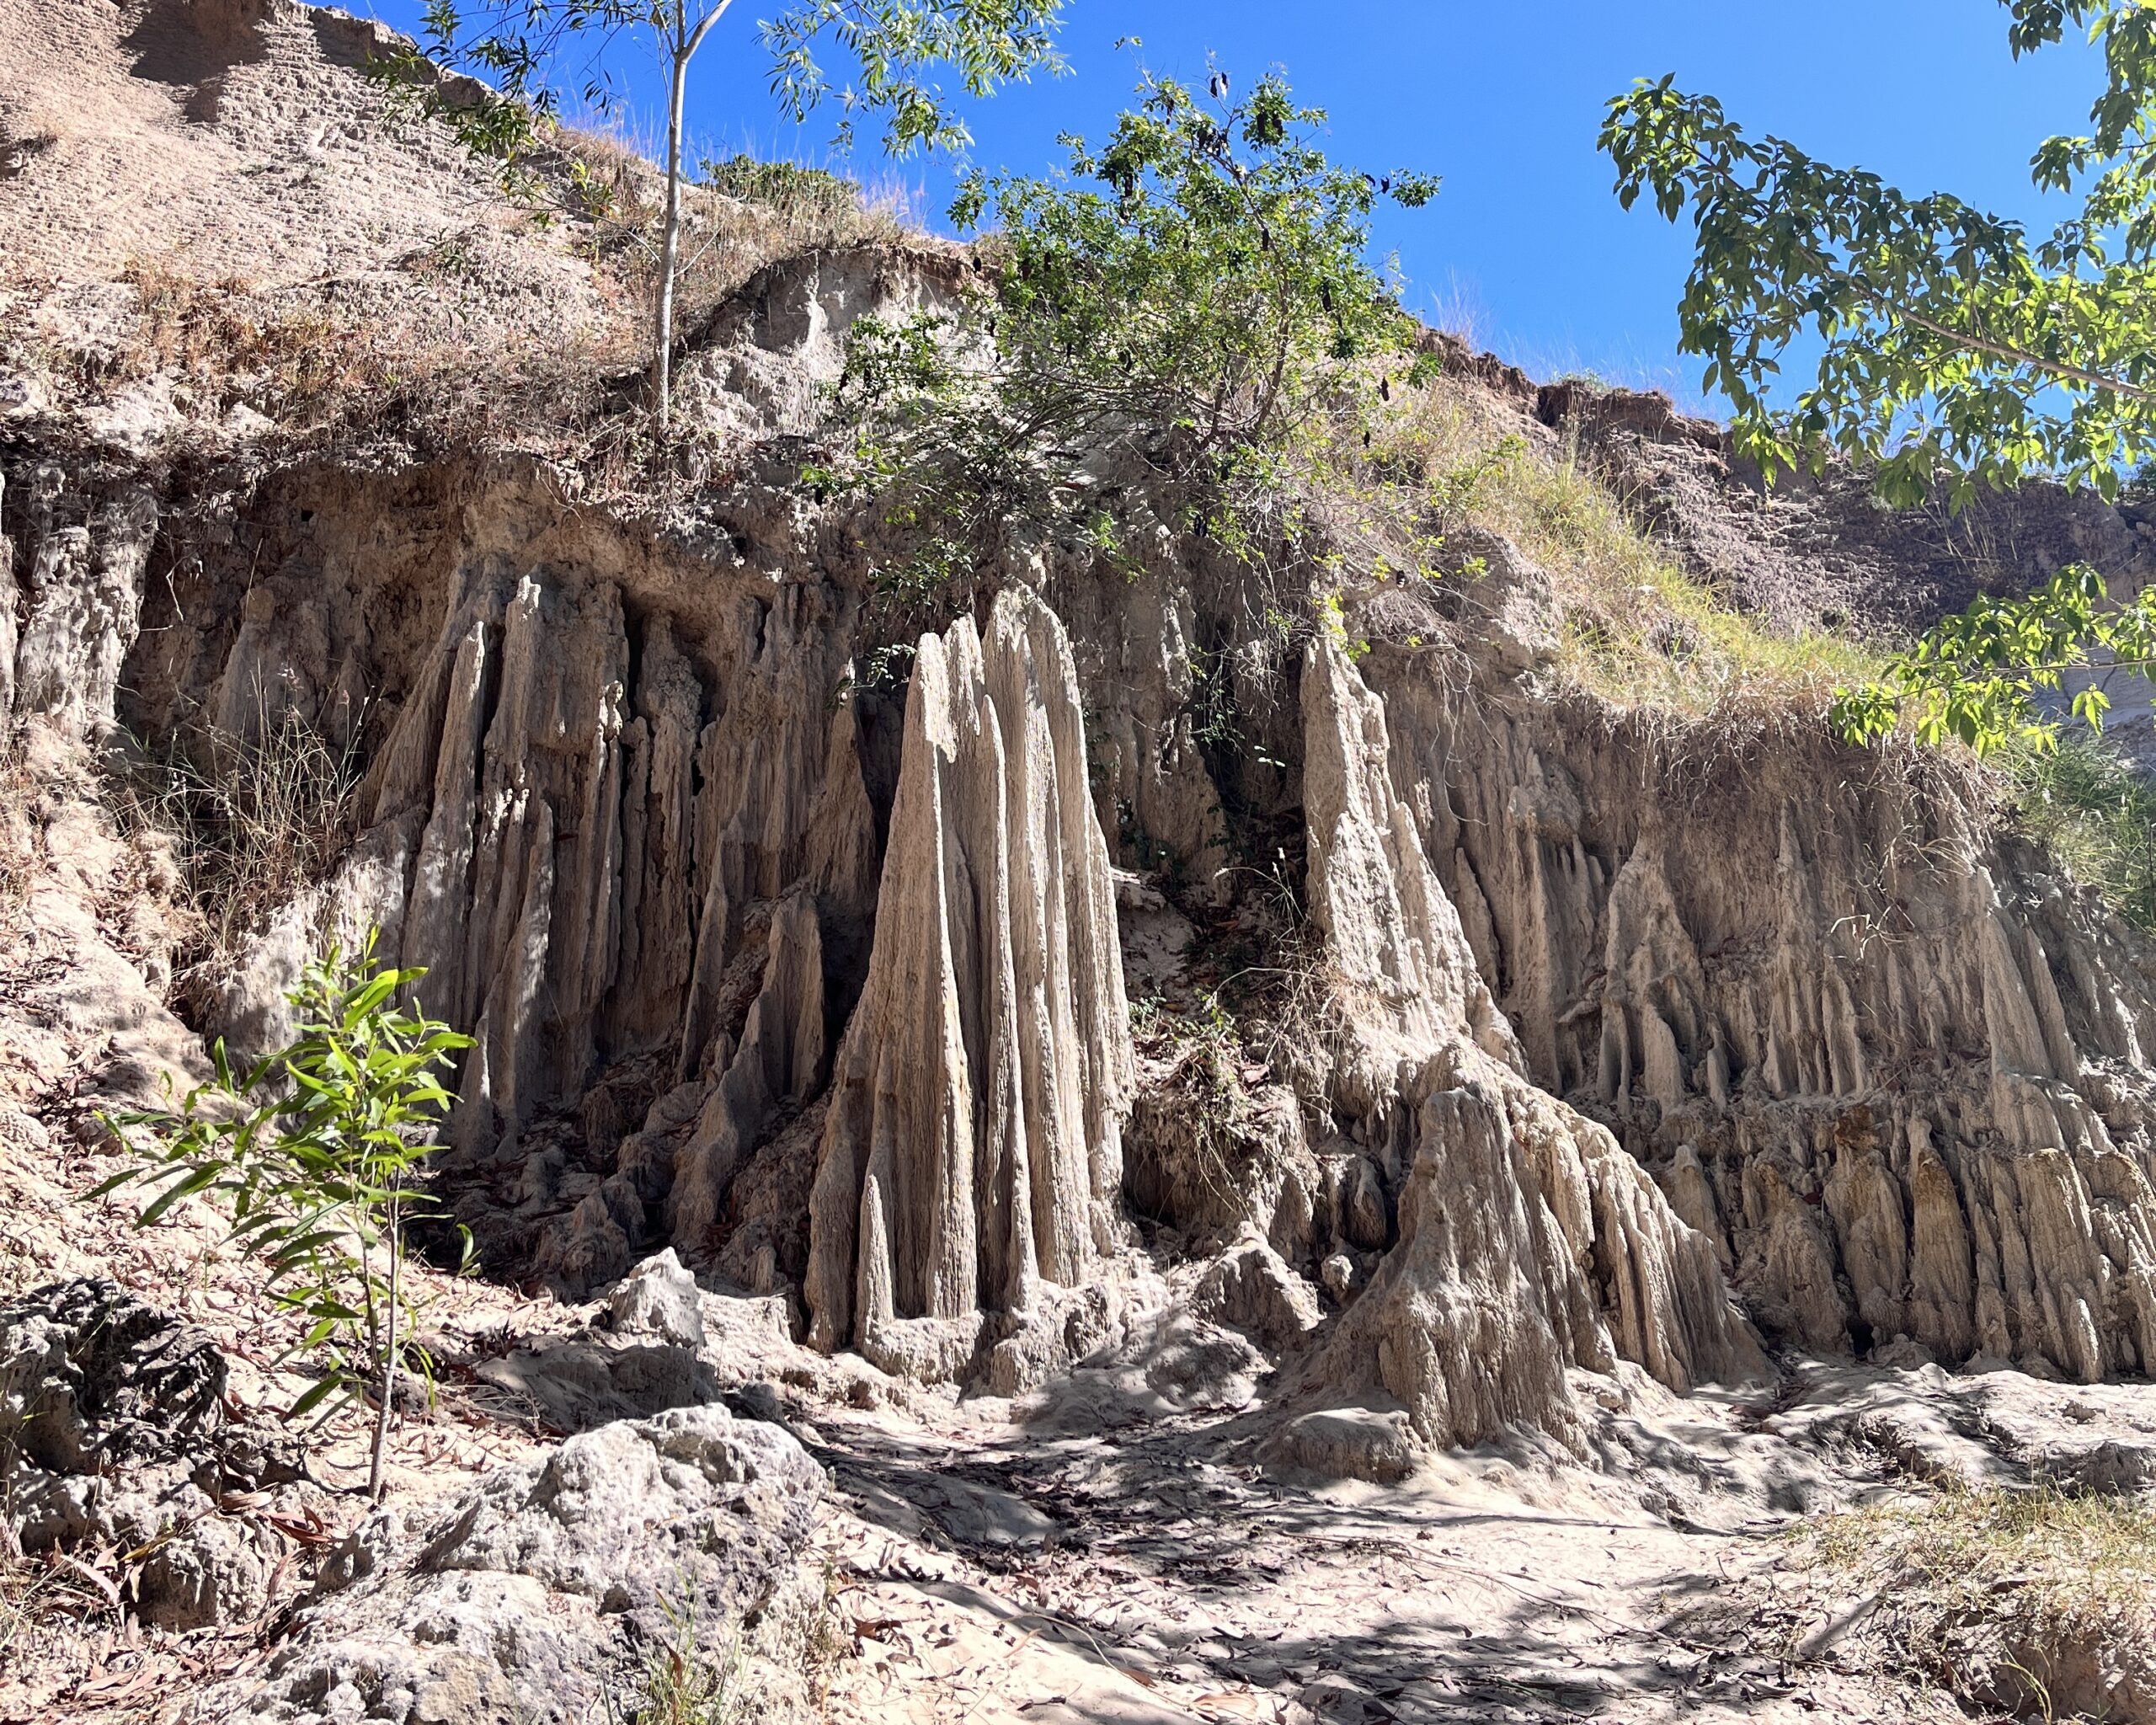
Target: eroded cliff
817,980
800,931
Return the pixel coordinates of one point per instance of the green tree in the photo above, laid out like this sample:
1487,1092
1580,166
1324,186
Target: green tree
1955,349
1197,289
314,1151
894,46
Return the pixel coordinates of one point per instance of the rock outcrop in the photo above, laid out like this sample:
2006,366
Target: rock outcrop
113,1435
1527,1240
553,1584
973,1151
1890,1068
71,615
825,994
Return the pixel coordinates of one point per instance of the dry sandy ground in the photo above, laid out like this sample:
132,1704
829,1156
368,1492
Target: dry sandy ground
231,138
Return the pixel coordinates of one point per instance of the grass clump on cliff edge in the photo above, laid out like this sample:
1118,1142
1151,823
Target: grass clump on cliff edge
2007,1596
2095,814
251,822
1633,628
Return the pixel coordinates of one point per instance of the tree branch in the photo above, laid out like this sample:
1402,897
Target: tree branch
2019,356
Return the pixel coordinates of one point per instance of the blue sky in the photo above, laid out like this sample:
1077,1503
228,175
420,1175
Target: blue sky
1525,246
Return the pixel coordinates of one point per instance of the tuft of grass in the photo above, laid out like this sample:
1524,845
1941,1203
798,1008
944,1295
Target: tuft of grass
251,822
230,342
2095,814
18,791
1200,1105
1633,627
2007,1595
739,213
1267,1008
57,1613
806,199
685,1683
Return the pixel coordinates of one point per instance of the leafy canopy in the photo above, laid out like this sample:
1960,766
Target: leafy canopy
1976,677
1203,272
1955,348
1195,292
895,50
312,1152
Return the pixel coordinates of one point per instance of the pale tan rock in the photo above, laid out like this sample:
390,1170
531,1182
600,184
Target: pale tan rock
1469,1322
1390,928
1527,1240
81,593
1251,1288
780,1056
974,1148
10,630
1888,1058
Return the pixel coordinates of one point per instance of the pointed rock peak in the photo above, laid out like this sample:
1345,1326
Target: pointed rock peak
1393,934
973,1150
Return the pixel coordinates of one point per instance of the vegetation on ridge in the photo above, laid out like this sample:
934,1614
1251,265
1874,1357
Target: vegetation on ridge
1956,352
892,45
1633,627
1187,301
2095,813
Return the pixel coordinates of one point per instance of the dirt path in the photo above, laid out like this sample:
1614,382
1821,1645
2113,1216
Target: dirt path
1149,1576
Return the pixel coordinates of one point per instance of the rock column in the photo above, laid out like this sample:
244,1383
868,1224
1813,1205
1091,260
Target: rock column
974,1148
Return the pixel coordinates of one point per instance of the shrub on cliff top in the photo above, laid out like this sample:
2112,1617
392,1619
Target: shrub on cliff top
1195,292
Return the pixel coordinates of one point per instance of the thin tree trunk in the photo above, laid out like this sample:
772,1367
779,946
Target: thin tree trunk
680,48
670,250
389,1356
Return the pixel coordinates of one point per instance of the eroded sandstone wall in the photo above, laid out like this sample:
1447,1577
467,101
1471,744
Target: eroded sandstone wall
972,1156
1892,1066
819,981
1527,1240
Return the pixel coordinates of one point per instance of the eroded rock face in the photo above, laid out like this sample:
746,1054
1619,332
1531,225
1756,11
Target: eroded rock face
827,998
1895,1073
659,1299
973,1153
1389,926
527,1598
69,618
620,818
1527,1240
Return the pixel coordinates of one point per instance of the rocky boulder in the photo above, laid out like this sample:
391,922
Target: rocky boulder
659,1299
538,1596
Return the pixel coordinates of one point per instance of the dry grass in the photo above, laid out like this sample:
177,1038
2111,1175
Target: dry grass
687,1683
291,355
1196,1101
1265,1012
465,341
18,829
2094,813
2020,1597
252,823
1633,627
737,216
49,1609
